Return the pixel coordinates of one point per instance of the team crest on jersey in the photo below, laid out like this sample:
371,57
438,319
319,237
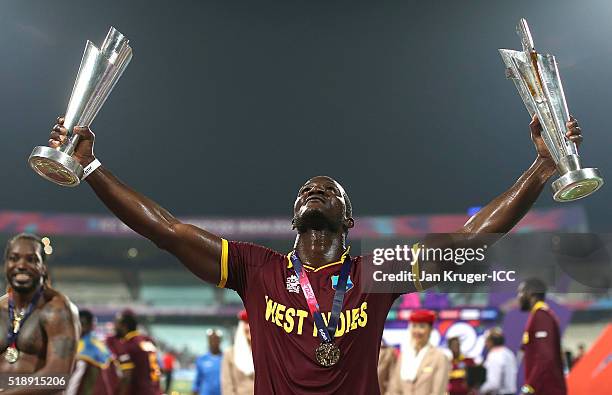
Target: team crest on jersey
293,284
349,283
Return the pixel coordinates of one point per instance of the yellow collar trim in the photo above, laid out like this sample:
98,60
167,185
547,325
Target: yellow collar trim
313,269
130,335
461,358
539,305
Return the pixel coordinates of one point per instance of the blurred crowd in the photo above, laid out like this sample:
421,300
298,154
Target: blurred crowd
129,362
420,368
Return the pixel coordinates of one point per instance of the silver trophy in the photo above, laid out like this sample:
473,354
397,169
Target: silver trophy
537,79
99,71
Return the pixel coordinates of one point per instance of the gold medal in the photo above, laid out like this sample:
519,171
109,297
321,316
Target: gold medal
327,354
11,355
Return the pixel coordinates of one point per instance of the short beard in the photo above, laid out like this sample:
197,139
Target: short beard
315,220
524,305
26,290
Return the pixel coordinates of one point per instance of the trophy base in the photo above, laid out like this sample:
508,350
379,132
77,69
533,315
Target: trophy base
56,166
576,184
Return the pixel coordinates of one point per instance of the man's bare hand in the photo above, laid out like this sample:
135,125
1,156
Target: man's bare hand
573,133
84,149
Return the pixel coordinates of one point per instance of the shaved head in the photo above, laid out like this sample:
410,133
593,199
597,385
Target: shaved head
322,204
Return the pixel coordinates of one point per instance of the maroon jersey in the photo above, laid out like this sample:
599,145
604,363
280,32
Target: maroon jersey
283,332
105,379
139,354
95,371
457,383
542,348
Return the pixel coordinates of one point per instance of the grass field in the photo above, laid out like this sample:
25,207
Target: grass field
181,387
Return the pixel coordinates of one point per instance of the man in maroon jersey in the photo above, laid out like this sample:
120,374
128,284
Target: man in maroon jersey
541,342
137,356
290,354
457,384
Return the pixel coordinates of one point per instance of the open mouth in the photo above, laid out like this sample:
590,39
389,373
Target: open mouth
315,199
22,277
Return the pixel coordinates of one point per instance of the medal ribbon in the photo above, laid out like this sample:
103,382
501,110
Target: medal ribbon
326,333
12,335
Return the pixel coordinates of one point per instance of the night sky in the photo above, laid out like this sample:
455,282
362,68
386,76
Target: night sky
229,106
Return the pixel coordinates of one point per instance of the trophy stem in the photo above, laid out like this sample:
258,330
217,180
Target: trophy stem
568,163
70,146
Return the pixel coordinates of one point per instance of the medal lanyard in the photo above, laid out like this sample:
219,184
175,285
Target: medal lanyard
326,333
12,334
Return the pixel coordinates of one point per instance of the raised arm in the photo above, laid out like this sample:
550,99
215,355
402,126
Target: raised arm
198,250
506,210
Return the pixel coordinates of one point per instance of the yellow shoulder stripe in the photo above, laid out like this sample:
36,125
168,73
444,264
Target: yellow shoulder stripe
539,305
223,263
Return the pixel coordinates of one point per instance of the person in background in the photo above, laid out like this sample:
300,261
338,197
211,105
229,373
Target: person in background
387,358
541,342
94,372
501,366
237,372
580,354
457,384
168,361
137,355
208,367
422,368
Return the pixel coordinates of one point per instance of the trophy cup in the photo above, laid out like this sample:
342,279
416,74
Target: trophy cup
537,79
99,71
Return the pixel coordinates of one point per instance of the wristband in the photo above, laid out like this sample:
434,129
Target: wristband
90,168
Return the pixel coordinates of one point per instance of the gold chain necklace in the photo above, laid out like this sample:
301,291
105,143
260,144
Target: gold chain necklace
17,321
